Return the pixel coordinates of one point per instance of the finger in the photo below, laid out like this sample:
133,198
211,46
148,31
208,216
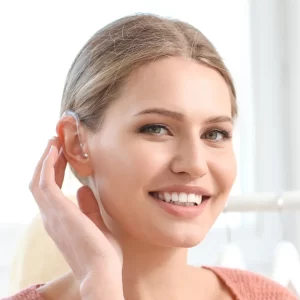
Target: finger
89,206
37,171
47,175
60,168
49,194
86,200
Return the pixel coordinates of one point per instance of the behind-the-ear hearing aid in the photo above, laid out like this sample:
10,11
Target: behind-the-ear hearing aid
75,116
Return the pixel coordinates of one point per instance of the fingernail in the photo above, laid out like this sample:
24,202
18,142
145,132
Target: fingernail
54,138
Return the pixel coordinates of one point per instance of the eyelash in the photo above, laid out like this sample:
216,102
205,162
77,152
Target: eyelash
149,126
226,134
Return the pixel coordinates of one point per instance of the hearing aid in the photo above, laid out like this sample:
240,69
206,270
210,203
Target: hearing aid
75,116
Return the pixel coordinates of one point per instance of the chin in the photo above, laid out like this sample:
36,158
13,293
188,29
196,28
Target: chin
187,241
178,238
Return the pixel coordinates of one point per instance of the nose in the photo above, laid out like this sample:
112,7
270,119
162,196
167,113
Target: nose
190,159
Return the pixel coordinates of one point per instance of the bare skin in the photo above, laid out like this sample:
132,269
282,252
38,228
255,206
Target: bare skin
67,287
141,247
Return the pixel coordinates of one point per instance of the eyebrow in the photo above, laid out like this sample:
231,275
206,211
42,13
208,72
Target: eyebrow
163,112
180,116
219,119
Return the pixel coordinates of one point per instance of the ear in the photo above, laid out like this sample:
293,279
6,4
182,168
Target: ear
74,143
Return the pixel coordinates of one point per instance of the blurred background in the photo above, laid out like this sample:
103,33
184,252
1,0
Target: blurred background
260,43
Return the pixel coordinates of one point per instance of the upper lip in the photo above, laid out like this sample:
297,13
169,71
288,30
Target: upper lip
188,189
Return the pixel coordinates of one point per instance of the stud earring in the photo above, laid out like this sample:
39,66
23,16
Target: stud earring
85,155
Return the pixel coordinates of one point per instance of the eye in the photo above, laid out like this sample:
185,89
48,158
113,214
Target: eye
155,129
217,135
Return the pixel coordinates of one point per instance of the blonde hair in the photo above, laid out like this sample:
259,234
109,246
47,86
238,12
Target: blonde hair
108,58
115,51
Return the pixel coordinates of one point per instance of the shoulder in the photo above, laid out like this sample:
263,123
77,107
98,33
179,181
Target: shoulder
63,288
29,293
248,285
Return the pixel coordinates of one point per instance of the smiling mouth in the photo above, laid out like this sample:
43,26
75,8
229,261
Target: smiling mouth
181,199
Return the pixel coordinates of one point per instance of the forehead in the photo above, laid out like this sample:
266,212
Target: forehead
176,83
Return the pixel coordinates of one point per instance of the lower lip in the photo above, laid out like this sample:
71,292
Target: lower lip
182,211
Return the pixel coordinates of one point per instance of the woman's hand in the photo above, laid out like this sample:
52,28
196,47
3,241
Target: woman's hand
80,233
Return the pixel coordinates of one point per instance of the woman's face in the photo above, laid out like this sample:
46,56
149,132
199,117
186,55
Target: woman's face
167,137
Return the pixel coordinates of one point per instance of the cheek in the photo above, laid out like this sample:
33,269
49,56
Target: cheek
129,165
224,171
122,173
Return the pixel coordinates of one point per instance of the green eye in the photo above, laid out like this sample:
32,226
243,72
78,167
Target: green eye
217,135
154,129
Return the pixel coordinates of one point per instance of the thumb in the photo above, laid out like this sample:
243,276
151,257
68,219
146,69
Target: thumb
89,206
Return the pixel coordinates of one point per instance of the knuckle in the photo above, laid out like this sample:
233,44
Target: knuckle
43,185
31,186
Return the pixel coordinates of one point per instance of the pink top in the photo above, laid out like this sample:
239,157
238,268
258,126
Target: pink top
243,285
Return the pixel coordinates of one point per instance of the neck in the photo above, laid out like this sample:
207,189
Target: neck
149,272
145,267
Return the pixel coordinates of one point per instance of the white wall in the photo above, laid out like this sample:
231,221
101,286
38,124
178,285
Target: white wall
293,101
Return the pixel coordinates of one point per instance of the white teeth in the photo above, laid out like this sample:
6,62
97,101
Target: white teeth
179,197
191,198
175,197
183,197
198,199
168,197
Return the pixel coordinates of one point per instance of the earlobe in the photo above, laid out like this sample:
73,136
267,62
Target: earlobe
73,140
85,155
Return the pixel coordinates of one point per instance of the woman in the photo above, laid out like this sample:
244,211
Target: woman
147,118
